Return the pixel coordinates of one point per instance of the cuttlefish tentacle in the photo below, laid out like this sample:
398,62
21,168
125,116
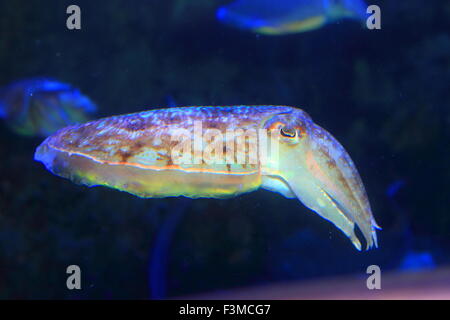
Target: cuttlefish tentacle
134,153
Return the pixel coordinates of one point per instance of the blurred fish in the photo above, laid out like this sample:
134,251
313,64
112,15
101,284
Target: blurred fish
289,16
41,106
415,261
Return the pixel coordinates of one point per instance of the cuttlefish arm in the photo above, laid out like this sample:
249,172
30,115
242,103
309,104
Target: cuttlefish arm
315,168
134,153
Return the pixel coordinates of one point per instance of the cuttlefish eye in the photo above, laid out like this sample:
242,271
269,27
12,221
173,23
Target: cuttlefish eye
288,133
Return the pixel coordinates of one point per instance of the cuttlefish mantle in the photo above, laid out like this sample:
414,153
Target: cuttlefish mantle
135,153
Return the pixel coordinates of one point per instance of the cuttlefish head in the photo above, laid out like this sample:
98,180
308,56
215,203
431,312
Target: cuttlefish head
312,165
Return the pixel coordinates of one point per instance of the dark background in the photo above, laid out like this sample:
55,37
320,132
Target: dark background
383,94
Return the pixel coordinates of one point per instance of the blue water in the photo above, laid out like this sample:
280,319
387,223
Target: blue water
382,93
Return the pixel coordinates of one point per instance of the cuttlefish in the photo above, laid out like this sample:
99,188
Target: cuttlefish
135,153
